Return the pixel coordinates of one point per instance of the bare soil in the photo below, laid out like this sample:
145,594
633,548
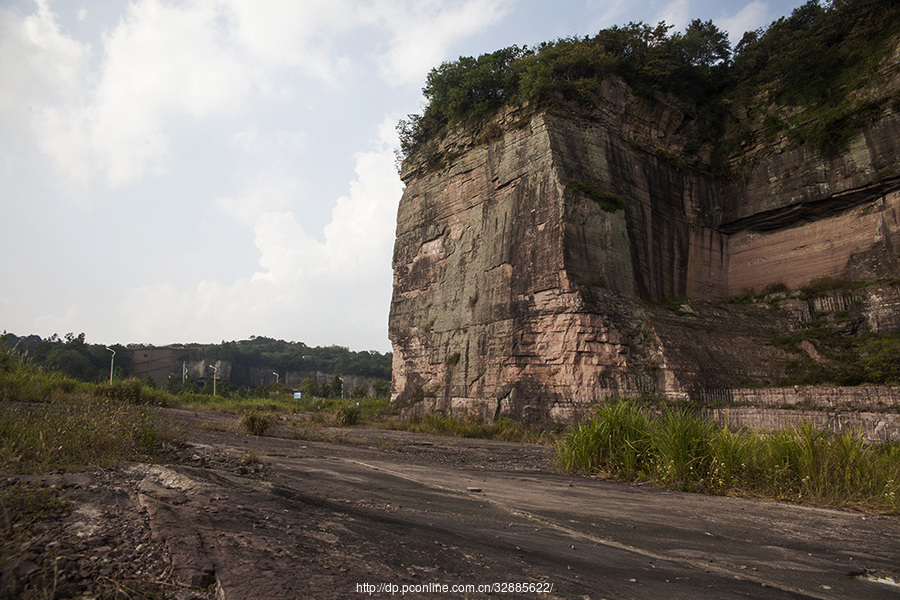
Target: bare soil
363,513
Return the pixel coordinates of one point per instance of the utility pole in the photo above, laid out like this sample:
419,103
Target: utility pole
112,362
215,374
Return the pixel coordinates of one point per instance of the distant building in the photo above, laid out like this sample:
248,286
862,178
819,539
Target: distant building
158,361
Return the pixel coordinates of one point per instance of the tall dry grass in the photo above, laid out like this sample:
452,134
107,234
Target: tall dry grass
48,421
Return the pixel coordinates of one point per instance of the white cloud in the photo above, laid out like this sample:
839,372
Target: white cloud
752,16
350,270
267,161
677,13
269,148
161,61
286,33
51,322
422,32
261,196
173,58
605,13
154,102
39,64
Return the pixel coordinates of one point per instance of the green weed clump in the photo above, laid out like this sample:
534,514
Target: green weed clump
346,416
21,382
133,391
343,412
615,442
606,200
679,450
256,422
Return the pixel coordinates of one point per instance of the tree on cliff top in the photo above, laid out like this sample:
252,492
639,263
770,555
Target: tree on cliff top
811,59
569,70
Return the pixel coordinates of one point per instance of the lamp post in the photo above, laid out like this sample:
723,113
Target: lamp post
112,362
276,377
215,373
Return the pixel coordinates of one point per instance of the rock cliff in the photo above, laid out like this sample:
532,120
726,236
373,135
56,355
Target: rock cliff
538,255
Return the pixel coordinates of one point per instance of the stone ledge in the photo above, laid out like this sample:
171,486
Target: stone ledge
874,427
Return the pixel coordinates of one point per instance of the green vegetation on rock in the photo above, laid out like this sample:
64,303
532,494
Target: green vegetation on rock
606,200
569,70
869,358
801,73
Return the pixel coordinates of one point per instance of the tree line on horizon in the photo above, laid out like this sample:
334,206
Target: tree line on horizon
73,356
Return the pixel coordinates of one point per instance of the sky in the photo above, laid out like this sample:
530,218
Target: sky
208,170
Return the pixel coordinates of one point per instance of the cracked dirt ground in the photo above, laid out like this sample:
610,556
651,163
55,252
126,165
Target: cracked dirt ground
313,519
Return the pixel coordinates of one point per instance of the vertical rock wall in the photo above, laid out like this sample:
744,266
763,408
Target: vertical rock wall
530,256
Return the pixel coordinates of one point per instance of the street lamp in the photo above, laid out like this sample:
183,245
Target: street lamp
215,373
276,377
112,362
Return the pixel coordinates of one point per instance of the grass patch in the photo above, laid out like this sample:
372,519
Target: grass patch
256,422
679,450
234,405
673,304
315,409
865,359
341,412
470,426
48,421
319,434
78,433
824,285
256,416
346,416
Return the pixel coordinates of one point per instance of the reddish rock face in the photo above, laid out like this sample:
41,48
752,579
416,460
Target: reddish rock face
528,267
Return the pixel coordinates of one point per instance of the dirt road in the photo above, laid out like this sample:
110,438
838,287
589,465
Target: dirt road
385,513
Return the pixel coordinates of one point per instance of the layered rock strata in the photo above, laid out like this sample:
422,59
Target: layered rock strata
532,257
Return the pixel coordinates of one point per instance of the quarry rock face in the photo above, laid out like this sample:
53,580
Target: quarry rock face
537,258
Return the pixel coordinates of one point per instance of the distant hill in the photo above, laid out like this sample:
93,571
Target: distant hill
269,353
250,362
